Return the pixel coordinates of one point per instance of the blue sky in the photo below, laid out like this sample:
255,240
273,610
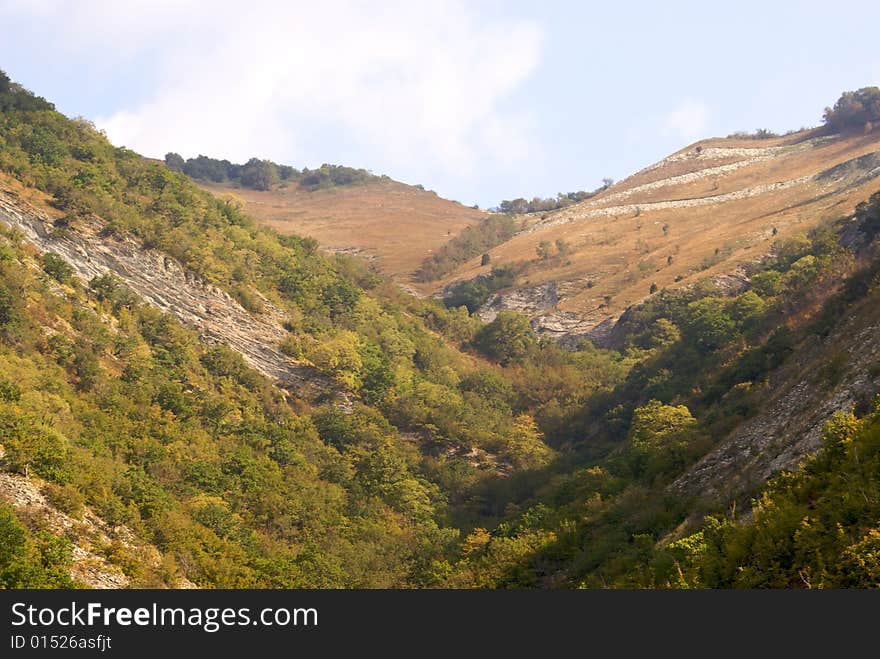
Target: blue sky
480,101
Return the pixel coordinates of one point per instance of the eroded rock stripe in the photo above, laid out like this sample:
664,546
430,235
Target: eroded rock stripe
164,283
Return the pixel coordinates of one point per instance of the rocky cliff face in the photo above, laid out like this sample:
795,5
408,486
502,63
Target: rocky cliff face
162,282
539,303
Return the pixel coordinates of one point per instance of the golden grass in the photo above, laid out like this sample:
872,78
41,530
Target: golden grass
395,224
611,256
622,256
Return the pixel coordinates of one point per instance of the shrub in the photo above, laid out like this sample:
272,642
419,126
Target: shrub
472,240
57,268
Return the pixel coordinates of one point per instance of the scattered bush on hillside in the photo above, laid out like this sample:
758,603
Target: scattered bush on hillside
473,240
520,205
759,134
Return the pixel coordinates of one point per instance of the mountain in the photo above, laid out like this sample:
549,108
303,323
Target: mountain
261,414
190,398
352,211
713,209
716,208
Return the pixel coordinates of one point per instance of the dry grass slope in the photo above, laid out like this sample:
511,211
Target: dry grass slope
396,224
704,211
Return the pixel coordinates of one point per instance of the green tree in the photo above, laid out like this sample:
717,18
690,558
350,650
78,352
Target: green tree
857,111
57,268
662,332
707,323
174,162
12,535
747,309
507,338
32,446
659,436
259,174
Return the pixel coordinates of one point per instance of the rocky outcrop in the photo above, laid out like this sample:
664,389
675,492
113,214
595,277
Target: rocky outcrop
853,171
539,302
89,533
690,177
164,283
747,154
570,329
528,301
732,283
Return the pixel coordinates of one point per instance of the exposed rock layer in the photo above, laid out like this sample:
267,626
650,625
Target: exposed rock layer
164,283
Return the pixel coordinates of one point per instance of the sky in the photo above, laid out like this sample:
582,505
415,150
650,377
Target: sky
479,100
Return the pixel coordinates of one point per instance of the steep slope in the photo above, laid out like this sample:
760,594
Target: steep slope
831,373
97,548
711,209
145,326
394,225
161,281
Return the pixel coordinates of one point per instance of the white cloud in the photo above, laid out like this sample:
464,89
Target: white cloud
689,121
417,84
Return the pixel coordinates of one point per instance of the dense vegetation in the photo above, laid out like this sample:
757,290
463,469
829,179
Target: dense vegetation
815,529
126,410
469,455
855,112
263,174
472,241
32,558
473,293
706,365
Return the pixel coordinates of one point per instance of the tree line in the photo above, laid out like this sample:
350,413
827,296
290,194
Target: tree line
520,205
260,174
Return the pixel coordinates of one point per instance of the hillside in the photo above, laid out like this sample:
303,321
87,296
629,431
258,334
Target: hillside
188,398
394,226
712,209
263,415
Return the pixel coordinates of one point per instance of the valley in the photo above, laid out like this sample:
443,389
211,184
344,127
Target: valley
672,383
